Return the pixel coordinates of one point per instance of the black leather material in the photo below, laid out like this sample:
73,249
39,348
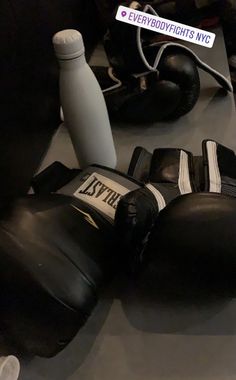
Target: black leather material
159,81
50,269
195,239
181,70
162,98
139,166
170,175
131,103
165,166
219,168
135,216
53,178
170,95
56,252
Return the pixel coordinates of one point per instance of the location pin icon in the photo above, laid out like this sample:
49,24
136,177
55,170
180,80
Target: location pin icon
123,13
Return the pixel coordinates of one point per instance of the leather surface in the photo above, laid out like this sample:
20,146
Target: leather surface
56,253
48,247
177,66
181,70
139,166
169,96
194,239
138,210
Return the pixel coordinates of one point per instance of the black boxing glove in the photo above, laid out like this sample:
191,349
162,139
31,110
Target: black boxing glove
149,81
151,97
168,174
57,251
195,234
144,98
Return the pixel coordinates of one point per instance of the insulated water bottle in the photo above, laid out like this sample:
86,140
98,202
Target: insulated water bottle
9,368
83,103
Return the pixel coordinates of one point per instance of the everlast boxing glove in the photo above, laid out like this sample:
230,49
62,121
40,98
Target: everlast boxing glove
193,237
149,81
168,173
56,252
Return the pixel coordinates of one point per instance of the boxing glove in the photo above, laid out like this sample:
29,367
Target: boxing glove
57,251
168,173
149,81
193,238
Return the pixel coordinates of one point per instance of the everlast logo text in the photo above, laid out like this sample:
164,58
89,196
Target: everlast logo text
101,192
98,190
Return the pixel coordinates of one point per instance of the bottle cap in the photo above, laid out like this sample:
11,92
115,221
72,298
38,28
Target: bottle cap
68,44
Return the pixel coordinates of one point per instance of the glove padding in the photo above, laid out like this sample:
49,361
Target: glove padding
194,236
57,251
168,174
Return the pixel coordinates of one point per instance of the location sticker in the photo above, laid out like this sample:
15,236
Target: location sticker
164,26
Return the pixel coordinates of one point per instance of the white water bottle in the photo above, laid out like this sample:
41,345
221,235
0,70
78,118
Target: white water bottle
83,104
9,368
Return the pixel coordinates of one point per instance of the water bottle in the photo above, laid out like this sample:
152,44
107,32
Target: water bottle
83,103
9,368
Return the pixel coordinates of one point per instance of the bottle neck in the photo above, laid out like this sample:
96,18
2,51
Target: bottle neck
72,63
